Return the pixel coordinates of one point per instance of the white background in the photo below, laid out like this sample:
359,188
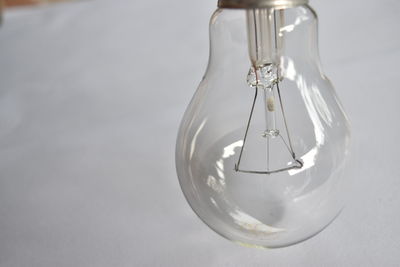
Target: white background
91,95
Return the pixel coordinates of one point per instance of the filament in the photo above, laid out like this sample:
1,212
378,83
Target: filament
266,77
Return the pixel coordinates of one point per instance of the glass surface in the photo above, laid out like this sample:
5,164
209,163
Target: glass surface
259,209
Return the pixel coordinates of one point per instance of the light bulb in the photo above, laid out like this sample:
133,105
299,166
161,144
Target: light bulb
262,147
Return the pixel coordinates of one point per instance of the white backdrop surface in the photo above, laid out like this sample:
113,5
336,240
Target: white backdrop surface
91,95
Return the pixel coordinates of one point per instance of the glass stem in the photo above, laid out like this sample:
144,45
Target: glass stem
269,102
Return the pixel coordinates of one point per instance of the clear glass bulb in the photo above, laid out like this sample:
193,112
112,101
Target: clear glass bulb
262,146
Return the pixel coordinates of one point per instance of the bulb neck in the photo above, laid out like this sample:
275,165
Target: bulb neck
245,4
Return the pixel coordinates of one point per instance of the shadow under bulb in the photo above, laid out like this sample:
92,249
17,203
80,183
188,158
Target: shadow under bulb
262,147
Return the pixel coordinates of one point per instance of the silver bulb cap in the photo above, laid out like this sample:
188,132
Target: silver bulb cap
260,3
